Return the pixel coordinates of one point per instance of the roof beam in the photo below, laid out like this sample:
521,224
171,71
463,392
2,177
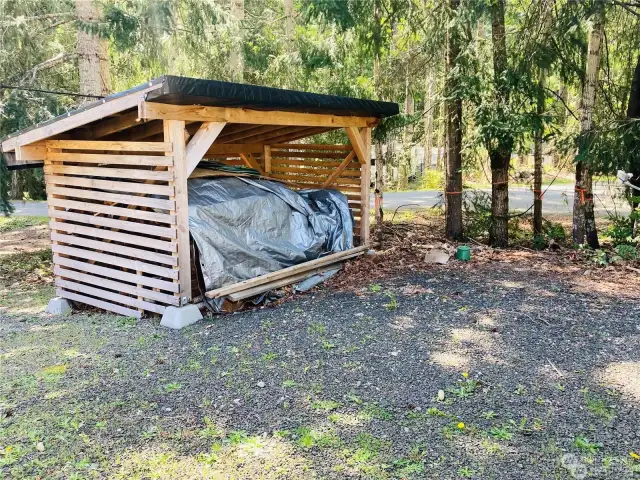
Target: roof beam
200,143
113,125
357,143
82,117
302,133
198,113
269,132
246,134
233,148
251,162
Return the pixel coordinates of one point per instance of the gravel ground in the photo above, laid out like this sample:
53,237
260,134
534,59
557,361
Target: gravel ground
541,380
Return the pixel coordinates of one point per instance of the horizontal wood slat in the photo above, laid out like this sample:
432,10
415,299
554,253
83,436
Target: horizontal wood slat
134,187
119,261
115,236
310,146
116,274
315,171
113,197
115,146
111,307
113,223
115,211
312,163
108,295
316,179
118,286
307,154
303,186
115,248
143,160
124,173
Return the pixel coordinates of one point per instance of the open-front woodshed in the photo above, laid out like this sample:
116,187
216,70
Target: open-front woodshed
116,175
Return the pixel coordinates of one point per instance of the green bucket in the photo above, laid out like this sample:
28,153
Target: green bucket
463,253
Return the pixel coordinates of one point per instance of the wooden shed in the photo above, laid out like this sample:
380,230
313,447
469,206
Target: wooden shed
116,176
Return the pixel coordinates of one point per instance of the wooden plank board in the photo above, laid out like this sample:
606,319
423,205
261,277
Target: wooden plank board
114,260
113,125
112,197
132,187
114,236
113,145
251,292
319,171
114,223
108,295
124,173
111,307
141,160
308,154
199,113
303,186
313,163
116,274
115,211
233,148
98,112
286,272
310,146
317,179
115,248
117,286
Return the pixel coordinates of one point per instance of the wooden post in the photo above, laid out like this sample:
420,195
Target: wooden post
365,182
174,133
267,159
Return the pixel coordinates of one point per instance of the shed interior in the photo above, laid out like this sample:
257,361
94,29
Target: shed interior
116,176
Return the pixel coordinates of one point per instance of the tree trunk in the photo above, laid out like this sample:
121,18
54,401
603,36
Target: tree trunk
288,26
584,225
93,56
453,119
442,133
428,120
538,134
501,148
380,161
236,56
537,158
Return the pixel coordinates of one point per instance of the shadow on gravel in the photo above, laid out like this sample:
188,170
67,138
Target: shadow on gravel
539,381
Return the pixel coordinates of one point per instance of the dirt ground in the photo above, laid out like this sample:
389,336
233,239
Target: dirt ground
515,365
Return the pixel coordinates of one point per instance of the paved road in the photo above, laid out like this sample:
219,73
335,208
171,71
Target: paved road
557,200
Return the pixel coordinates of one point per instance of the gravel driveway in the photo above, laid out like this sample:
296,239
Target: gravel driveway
490,371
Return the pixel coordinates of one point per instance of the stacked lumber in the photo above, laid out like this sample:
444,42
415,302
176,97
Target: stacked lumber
286,276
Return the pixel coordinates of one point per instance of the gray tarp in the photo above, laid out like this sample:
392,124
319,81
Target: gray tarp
246,227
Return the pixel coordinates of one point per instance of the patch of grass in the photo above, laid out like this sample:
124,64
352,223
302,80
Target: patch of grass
9,224
465,388
289,384
325,405
172,387
375,288
327,345
269,357
587,446
599,408
373,410
501,433
393,301
308,438
317,328
465,472
489,415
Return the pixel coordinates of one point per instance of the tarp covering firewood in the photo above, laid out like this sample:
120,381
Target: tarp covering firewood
244,227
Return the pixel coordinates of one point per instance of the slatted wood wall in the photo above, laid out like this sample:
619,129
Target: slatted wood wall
302,166
113,224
